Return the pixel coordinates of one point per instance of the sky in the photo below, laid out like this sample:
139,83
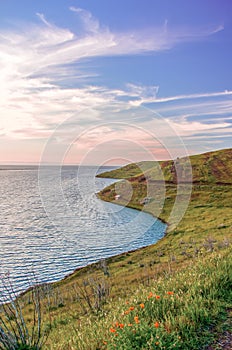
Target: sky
111,82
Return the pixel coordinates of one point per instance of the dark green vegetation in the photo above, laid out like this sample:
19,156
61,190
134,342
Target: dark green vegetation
172,295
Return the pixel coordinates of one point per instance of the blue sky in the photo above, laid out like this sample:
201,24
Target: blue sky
101,75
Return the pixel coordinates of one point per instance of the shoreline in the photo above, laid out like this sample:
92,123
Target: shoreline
95,264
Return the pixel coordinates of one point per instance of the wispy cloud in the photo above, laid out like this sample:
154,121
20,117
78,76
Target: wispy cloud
91,24
37,62
43,81
43,19
193,96
155,100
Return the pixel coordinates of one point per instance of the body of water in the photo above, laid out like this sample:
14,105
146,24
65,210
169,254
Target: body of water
52,226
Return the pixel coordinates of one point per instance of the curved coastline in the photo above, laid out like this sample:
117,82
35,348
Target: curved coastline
78,269
141,235
85,268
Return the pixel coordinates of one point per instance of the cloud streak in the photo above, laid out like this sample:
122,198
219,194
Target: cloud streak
193,96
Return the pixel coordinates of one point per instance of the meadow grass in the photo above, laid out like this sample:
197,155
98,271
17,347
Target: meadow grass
178,310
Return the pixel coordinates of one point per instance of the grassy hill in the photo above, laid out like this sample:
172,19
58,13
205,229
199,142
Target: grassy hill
211,167
175,294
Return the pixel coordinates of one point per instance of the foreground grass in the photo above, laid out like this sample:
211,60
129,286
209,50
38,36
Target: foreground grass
179,308
175,312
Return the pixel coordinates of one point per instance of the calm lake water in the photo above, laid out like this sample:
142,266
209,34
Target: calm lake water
51,227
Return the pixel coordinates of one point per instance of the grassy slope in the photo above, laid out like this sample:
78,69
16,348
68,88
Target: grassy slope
203,234
211,167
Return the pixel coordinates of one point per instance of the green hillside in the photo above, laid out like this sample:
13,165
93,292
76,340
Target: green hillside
211,167
128,170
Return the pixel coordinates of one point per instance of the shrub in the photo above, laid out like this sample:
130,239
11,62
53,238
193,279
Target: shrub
16,333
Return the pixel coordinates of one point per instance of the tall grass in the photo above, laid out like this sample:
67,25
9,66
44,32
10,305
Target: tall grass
17,332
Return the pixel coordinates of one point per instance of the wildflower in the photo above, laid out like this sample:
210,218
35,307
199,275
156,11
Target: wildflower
112,330
142,306
157,297
116,324
150,295
156,324
170,293
130,325
121,325
136,318
157,343
126,312
131,308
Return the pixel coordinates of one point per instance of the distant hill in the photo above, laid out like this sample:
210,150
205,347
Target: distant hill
211,167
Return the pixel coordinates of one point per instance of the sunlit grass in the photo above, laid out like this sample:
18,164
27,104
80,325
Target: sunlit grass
177,311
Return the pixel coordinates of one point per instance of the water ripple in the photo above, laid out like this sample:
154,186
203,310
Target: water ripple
31,243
